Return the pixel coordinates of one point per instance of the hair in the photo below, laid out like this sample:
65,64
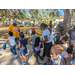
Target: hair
37,40
21,35
10,33
33,31
56,50
65,38
43,25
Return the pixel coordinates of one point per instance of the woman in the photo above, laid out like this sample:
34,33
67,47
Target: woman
46,40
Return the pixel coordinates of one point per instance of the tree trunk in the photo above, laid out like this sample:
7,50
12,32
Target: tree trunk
11,19
67,20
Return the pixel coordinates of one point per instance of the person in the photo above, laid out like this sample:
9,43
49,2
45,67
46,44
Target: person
53,32
26,35
58,32
50,26
23,48
15,29
64,47
71,35
32,28
47,41
37,45
73,51
32,38
73,62
55,59
11,39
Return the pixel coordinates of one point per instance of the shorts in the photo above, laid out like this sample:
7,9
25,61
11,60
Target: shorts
23,51
37,52
65,54
47,48
32,46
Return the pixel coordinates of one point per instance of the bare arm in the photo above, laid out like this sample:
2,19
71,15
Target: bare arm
59,47
19,45
6,41
45,39
68,35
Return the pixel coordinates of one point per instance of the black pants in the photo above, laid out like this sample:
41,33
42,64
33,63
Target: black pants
57,38
47,48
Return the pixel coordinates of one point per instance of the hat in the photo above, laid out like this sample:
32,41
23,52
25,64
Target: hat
14,21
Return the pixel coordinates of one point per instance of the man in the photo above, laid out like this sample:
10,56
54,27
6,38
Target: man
71,35
50,26
15,29
58,31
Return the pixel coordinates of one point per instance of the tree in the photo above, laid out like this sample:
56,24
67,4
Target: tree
10,13
33,13
67,20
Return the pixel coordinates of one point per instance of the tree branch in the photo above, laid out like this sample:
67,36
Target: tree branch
16,11
6,13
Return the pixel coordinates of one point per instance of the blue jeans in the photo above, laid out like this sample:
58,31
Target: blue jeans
13,50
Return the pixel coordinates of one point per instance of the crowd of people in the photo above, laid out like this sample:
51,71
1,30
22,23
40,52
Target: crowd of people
54,44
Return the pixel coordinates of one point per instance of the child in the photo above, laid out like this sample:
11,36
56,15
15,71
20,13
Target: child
37,45
55,59
26,35
32,38
23,48
11,39
64,47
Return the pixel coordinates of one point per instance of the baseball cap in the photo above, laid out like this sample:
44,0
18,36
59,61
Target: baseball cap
14,21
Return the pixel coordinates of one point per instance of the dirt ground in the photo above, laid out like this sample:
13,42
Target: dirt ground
4,33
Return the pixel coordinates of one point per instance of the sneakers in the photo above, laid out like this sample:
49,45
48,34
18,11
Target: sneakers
40,61
37,63
15,56
23,62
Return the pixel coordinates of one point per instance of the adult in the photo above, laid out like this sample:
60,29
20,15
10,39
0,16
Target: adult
53,32
50,27
71,35
58,31
15,29
46,40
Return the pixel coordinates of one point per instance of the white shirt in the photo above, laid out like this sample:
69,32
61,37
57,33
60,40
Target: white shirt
12,40
46,32
65,45
56,60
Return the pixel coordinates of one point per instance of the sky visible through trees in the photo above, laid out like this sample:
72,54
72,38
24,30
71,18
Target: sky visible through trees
60,10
